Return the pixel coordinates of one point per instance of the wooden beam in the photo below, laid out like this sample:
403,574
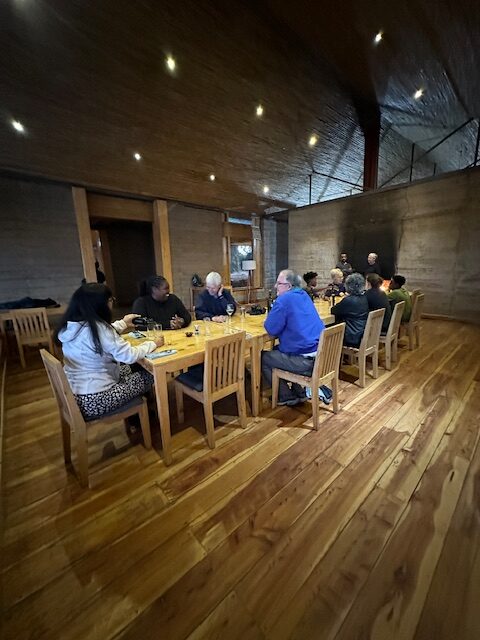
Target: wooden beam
84,233
161,240
112,207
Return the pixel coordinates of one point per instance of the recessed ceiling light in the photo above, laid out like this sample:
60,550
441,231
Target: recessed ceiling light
212,177
313,140
137,156
418,94
171,64
266,189
259,111
378,37
18,126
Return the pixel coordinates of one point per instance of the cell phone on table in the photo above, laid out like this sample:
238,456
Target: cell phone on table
138,334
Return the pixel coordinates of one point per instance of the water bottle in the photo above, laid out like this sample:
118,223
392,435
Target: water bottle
269,300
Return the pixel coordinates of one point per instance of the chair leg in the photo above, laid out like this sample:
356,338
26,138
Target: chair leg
335,390
394,349
410,337
66,440
82,455
275,383
315,407
179,403
375,363
208,412
22,356
145,424
388,355
362,363
417,336
242,406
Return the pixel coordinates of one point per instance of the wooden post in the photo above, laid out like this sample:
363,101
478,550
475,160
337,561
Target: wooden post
84,233
161,240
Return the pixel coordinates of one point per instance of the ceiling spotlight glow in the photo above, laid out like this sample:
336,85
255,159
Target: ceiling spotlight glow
137,156
171,64
266,189
18,126
259,111
212,177
418,94
378,37
313,140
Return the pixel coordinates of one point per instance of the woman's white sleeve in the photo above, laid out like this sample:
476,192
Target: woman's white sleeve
122,350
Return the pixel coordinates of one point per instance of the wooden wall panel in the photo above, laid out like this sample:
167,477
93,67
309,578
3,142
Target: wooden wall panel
103,206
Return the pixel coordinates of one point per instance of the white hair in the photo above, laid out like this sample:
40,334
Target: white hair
213,279
373,254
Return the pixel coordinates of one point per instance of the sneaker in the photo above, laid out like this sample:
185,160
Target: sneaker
292,402
324,394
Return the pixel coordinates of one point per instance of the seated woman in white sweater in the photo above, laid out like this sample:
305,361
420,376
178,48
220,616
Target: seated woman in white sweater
92,350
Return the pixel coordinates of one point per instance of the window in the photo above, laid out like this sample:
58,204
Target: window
239,251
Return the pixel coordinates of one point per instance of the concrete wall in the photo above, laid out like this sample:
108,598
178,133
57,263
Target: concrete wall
39,248
428,231
196,245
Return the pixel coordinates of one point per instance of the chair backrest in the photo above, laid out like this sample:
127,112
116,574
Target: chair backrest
329,351
417,307
31,325
66,402
396,319
224,362
371,335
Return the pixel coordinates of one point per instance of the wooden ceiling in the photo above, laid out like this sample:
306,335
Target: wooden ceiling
88,81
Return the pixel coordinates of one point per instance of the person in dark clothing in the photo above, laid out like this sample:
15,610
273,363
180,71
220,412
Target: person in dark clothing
100,275
336,287
344,266
213,301
353,310
158,303
373,266
312,288
377,299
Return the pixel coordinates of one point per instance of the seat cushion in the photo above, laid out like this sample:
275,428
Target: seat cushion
136,402
193,378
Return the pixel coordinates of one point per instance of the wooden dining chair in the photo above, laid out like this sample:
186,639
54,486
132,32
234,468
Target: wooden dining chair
72,420
390,340
31,327
325,370
223,373
368,347
413,325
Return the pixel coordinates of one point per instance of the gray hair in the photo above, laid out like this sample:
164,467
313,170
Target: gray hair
372,253
214,279
355,284
293,278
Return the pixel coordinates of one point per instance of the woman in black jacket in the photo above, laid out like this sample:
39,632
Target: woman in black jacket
353,310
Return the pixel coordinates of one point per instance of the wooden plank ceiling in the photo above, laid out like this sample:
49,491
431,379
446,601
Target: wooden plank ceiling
89,82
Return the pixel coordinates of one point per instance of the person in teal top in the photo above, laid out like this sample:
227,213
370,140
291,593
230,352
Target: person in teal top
398,293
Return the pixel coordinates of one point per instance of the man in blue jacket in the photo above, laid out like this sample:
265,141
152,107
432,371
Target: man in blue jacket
296,323
214,300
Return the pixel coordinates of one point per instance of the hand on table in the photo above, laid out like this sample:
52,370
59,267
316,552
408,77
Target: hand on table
160,341
176,322
219,319
128,319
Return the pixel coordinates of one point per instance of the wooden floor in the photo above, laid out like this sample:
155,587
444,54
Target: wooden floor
368,528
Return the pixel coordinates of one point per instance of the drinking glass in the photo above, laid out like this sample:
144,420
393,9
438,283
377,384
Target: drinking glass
151,330
242,314
158,330
208,326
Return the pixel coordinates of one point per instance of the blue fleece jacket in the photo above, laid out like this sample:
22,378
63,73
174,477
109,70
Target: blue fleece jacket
295,321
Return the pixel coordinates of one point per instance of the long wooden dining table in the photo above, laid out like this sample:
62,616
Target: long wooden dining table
190,350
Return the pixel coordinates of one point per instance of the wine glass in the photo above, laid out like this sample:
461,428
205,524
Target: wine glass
230,309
